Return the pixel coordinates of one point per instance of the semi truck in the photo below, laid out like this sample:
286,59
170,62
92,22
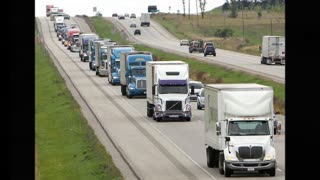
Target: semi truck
238,122
53,13
273,50
114,62
92,46
101,60
84,39
58,22
167,90
133,73
145,19
48,7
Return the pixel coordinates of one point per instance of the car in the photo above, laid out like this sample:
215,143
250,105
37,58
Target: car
114,15
137,31
184,42
200,99
133,15
126,15
208,43
197,86
133,25
209,50
121,16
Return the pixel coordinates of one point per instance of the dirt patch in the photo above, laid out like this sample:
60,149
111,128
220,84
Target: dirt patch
205,78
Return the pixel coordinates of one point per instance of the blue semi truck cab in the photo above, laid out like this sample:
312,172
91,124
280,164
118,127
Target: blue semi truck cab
113,57
133,72
84,45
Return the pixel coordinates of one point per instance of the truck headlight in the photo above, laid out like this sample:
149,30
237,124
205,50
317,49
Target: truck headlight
231,157
188,107
269,157
158,107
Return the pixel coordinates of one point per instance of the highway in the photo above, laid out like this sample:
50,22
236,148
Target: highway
158,37
144,148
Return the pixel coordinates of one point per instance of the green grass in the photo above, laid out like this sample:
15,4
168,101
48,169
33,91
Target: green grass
66,146
106,29
209,73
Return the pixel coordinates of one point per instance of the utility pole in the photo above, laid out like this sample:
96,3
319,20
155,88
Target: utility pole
189,9
197,12
242,24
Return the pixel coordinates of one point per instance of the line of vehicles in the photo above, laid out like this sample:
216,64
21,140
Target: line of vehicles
239,118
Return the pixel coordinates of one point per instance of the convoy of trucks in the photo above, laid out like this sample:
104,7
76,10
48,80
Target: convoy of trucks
114,62
239,119
239,128
145,19
273,50
168,90
133,73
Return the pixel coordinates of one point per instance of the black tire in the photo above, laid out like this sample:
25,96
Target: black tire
149,110
204,55
123,90
272,171
220,163
90,63
81,58
210,157
198,107
188,119
214,54
227,172
97,72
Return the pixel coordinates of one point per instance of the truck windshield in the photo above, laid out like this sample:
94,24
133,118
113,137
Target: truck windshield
138,72
248,128
175,89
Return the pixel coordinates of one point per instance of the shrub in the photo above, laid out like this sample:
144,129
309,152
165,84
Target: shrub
224,32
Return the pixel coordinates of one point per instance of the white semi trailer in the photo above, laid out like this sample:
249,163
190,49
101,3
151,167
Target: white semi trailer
273,50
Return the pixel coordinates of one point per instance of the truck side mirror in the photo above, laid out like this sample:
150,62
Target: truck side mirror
218,128
192,89
227,139
129,78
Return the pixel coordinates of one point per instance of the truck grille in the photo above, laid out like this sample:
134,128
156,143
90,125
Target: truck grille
254,152
173,105
141,84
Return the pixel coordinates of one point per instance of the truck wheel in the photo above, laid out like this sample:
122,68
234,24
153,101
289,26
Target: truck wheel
97,72
90,65
81,58
123,90
210,156
214,54
227,171
204,55
149,110
188,119
221,163
272,171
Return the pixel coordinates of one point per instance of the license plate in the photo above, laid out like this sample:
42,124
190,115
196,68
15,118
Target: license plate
174,116
250,169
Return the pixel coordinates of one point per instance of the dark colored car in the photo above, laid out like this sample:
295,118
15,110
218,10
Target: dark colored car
133,25
121,17
114,15
137,31
209,50
133,15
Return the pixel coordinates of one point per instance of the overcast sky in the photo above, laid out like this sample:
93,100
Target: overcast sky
107,7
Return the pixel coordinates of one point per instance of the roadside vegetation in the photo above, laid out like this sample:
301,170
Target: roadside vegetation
201,71
66,146
236,26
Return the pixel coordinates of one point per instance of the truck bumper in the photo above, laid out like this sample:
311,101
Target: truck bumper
103,72
173,114
251,166
137,92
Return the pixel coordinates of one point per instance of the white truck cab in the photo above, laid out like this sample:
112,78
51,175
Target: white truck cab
239,128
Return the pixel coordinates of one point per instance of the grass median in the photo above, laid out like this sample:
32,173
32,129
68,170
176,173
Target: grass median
66,146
